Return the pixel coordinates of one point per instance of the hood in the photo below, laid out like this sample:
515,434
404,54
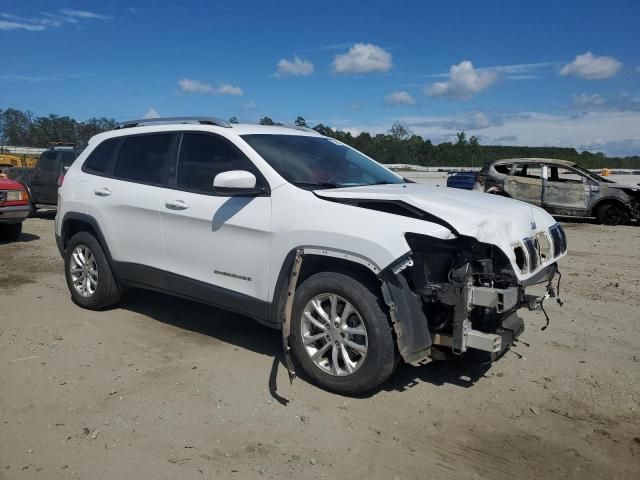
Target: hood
488,218
6,184
623,186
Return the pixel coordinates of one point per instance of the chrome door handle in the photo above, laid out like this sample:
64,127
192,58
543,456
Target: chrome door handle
176,205
102,192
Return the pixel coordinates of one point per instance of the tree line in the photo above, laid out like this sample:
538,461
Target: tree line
398,145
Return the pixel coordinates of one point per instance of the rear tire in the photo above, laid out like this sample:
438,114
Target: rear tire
365,336
611,214
89,277
11,231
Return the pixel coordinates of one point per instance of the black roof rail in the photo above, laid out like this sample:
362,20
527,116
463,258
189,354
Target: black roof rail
172,120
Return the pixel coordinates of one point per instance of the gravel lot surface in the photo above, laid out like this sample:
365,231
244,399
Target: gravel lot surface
164,388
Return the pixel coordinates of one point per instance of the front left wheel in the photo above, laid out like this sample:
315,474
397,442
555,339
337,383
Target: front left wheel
89,277
341,335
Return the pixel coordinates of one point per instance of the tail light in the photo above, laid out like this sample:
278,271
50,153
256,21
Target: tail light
60,179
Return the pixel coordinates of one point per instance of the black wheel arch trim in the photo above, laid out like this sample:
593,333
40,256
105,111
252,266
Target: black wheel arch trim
409,322
84,218
608,200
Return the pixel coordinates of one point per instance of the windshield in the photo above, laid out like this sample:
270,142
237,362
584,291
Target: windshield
319,161
591,174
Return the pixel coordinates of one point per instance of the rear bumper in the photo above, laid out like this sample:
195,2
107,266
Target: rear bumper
14,214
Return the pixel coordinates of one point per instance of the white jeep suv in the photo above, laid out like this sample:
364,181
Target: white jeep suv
356,265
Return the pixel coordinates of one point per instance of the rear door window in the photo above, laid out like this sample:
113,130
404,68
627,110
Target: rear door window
144,158
528,171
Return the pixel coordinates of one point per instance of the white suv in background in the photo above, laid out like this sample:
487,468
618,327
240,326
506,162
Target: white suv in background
358,266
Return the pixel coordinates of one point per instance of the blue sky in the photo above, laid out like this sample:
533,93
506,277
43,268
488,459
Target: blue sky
530,73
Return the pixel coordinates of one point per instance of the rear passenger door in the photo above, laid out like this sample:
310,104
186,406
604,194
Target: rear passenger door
525,183
216,246
125,192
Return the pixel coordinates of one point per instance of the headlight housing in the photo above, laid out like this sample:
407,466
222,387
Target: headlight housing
16,195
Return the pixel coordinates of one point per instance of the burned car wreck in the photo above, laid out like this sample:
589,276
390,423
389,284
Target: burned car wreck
562,188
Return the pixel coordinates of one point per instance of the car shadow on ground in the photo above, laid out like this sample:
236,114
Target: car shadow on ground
246,333
24,238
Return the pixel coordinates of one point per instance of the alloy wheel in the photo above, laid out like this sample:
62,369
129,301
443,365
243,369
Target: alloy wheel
333,334
84,271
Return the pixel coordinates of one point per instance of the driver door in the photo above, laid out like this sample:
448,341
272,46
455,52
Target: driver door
216,246
566,189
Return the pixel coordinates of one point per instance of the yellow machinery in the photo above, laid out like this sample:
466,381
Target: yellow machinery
18,160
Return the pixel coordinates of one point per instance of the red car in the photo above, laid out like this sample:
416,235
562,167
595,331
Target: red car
14,208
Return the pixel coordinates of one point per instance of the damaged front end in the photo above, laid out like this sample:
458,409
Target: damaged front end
449,296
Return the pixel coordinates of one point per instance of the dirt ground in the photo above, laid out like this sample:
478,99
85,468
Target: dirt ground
164,388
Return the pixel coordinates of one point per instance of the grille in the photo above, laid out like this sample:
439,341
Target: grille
559,240
533,253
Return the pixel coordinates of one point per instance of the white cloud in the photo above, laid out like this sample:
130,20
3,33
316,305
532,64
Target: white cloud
151,113
71,13
30,27
298,67
188,85
592,67
363,58
518,71
226,89
50,77
585,100
48,19
399,98
464,82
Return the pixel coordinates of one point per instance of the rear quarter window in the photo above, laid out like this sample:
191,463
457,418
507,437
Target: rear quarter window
503,169
98,161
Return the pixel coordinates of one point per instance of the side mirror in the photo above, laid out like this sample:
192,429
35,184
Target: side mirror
236,182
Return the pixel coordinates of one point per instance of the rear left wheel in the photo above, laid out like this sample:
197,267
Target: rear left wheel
89,277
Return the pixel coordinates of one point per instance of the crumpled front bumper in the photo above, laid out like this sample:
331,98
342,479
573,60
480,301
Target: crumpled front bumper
411,327
14,213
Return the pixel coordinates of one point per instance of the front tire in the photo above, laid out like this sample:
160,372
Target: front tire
341,336
89,277
611,214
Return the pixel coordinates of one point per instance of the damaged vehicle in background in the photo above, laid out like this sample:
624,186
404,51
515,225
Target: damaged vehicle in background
358,268
562,188
14,208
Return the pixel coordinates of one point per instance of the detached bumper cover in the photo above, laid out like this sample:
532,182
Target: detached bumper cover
14,214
